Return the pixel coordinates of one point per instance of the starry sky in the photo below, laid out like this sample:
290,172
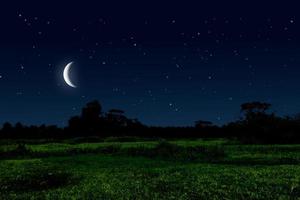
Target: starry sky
165,64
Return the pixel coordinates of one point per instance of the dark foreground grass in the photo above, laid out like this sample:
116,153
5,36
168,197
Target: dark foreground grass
113,177
177,170
31,175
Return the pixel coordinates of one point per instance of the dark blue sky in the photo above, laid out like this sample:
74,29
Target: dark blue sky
165,64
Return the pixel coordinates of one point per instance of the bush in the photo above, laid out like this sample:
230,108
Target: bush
35,177
169,151
214,153
19,150
110,149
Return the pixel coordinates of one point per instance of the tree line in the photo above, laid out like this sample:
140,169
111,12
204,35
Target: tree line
257,124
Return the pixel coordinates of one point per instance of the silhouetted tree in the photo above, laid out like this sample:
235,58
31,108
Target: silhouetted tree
254,109
91,111
90,117
258,125
19,129
255,106
116,118
203,124
7,129
75,125
135,124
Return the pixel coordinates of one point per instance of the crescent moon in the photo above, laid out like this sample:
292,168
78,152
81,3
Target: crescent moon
67,75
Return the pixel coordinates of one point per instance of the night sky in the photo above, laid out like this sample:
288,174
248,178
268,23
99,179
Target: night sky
165,64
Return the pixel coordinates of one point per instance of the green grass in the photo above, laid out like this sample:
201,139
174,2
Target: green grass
245,172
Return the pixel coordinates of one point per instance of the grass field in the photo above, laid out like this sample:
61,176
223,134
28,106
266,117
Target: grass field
198,169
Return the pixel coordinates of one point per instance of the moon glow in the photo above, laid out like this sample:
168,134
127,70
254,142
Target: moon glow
66,75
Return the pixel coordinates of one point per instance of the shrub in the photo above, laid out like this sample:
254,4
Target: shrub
214,153
19,150
110,149
169,151
35,177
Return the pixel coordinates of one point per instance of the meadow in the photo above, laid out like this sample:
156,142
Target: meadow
122,169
